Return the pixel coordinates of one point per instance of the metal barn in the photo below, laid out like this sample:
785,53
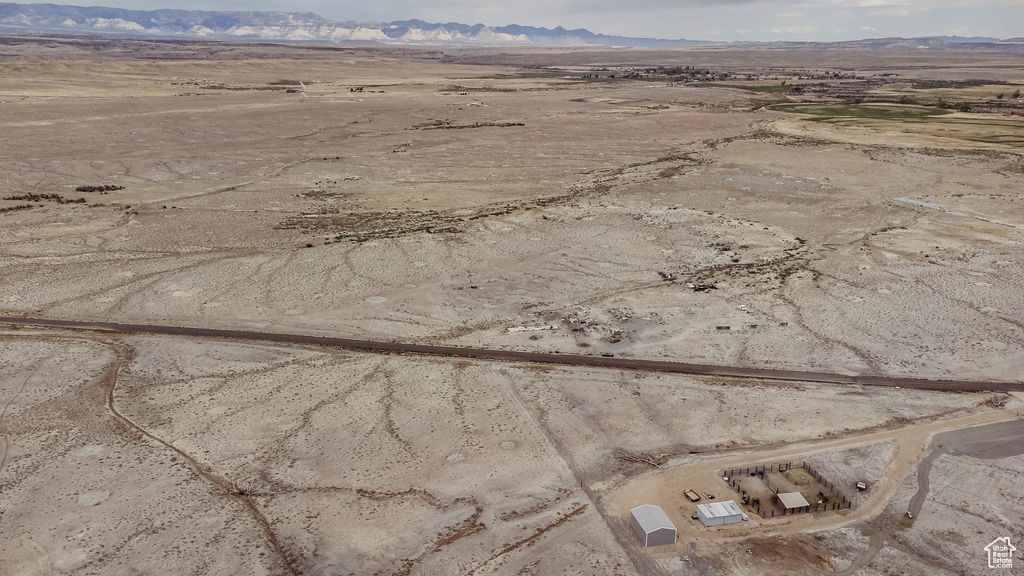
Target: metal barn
652,525
718,513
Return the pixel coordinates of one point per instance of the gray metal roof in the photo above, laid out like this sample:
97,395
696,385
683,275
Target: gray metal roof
793,500
720,509
651,518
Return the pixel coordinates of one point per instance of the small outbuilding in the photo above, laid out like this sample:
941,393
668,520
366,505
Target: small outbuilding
652,525
793,500
719,513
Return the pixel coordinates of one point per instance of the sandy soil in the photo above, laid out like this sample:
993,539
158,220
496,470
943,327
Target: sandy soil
459,198
954,509
866,463
626,180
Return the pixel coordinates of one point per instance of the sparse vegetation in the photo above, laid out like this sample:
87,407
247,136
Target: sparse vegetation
102,188
760,88
46,198
646,73
17,208
927,120
828,112
458,89
449,125
972,83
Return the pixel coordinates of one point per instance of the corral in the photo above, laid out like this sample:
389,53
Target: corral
780,489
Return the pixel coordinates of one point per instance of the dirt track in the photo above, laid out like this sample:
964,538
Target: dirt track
520,356
706,475
223,484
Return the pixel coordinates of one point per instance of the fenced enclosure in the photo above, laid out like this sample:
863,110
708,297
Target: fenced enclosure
759,487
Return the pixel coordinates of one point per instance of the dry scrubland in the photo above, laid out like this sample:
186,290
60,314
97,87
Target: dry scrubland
471,198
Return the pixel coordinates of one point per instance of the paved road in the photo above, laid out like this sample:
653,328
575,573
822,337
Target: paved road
390,347
990,442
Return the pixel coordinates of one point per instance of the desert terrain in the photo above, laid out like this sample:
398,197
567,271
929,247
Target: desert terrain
846,213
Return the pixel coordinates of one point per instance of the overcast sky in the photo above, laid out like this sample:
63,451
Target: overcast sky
691,19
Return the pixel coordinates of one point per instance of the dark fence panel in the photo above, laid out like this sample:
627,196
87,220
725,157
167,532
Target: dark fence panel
834,499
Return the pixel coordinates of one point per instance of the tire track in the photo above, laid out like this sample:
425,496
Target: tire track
447,536
3,413
273,174
562,518
124,355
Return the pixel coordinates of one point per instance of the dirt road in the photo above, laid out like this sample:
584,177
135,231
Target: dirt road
392,347
662,486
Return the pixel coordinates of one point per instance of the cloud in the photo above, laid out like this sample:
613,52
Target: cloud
872,3
794,30
647,5
693,19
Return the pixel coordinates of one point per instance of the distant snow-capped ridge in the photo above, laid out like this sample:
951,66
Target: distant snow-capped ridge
309,27
290,26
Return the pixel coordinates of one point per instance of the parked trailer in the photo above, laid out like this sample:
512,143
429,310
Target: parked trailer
693,496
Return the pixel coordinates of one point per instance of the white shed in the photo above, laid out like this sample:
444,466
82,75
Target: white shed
652,525
718,513
793,500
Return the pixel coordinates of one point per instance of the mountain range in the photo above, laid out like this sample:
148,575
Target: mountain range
309,27
289,26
